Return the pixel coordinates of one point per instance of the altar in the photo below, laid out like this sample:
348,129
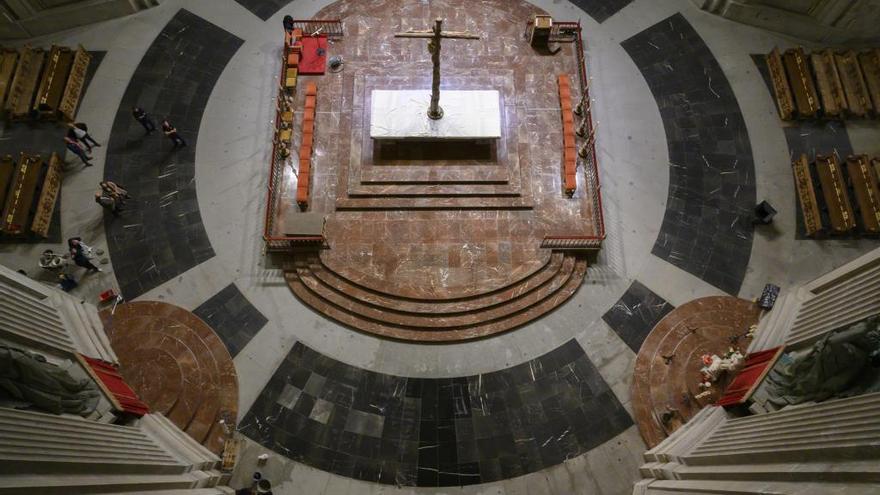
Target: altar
467,115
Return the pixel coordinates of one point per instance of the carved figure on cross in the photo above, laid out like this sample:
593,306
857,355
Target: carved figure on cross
435,35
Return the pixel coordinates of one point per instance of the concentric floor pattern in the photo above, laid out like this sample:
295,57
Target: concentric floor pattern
366,425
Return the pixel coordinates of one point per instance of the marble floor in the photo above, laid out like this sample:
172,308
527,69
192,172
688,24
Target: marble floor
688,139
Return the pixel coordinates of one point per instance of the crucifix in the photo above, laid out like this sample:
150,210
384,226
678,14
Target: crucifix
435,35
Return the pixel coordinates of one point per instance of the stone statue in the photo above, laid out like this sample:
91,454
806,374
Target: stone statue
28,378
844,363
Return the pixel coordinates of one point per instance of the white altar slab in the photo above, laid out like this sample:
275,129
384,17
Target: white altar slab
403,114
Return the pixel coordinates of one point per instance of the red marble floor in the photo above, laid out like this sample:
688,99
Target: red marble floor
667,370
177,365
444,226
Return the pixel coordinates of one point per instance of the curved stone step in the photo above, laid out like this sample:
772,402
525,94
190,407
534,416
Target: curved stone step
432,294
480,330
391,316
379,300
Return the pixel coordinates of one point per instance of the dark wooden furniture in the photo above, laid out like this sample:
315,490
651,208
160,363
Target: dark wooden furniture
840,211
24,83
870,62
49,192
75,82
781,86
52,84
830,87
866,190
857,98
801,79
20,198
8,62
803,182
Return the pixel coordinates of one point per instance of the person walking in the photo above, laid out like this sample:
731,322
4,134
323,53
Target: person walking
288,24
79,255
77,150
80,132
172,134
143,119
107,202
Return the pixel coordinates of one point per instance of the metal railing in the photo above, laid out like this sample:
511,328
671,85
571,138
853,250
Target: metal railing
275,188
571,32
333,28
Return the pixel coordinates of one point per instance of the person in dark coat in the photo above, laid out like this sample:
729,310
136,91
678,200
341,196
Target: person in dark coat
288,23
172,133
78,254
143,119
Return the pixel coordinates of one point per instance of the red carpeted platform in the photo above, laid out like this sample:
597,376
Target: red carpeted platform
314,55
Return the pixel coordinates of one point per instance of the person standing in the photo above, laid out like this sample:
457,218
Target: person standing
172,134
143,119
115,191
288,24
80,132
78,254
77,150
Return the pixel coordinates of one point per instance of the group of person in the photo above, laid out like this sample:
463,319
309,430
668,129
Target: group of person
80,254
168,128
111,196
80,142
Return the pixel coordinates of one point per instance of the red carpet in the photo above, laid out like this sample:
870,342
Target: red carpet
314,55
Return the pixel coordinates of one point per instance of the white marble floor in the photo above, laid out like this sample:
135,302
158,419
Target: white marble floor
231,167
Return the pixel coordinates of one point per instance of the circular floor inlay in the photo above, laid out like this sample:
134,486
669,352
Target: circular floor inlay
178,366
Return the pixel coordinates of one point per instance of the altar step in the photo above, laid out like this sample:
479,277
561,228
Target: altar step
439,320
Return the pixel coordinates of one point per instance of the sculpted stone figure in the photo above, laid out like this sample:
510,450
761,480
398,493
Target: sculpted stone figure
844,363
29,378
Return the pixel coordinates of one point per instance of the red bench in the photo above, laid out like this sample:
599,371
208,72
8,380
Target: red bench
306,145
569,148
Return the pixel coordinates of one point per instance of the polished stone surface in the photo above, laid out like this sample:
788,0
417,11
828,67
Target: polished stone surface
435,432
234,319
667,371
601,10
160,235
438,224
178,366
402,114
707,228
265,9
635,314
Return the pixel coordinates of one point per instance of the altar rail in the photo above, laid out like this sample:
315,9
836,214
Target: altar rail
274,190
331,27
571,32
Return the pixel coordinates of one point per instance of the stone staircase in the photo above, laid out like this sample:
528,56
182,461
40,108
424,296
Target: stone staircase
438,319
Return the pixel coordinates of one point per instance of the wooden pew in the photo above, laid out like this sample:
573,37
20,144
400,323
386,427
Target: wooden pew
20,198
803,181
857,98
830,87
75,83
50,92
48,196
867,191
569,148
801,79
875,164
8,61
7,170
781,86
24,83
834,191
870,62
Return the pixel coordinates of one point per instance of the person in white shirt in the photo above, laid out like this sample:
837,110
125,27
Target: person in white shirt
80,132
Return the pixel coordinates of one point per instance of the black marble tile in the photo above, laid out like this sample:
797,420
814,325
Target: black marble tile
711,171
264,9
600,10
435,432
174,78
636,312
233,318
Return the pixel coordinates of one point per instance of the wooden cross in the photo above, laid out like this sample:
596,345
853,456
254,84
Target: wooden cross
435,35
